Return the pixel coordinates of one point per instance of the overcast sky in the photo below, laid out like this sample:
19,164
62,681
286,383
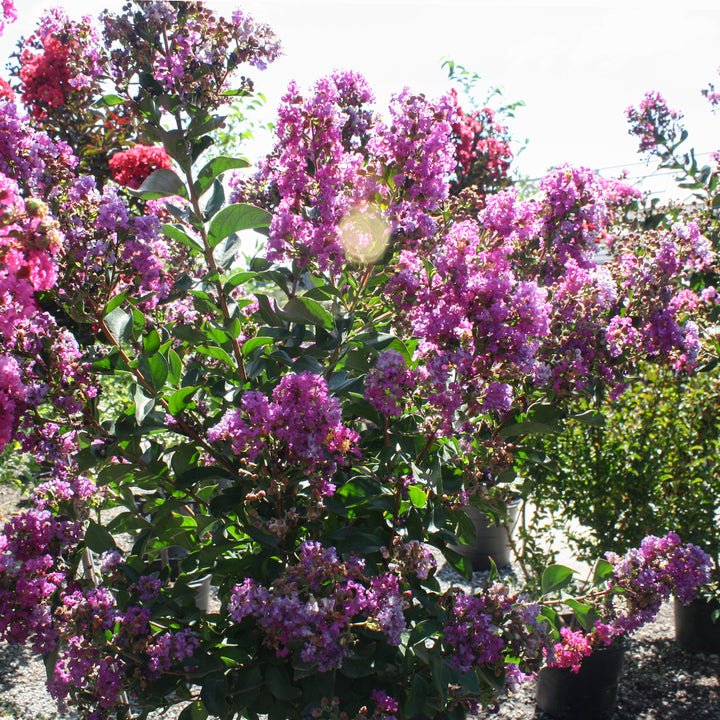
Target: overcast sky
577,65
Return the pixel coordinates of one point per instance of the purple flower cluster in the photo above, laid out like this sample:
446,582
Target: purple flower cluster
478,323
300,426
389,383
35,548
171,649
385,706
30,157
88,623
472,636
100,230
316,603
654,123
484,630
641,581
189,51
610,296
651,573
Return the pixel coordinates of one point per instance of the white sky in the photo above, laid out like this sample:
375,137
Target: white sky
577,64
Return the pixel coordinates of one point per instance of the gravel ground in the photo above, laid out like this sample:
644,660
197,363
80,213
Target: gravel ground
660,680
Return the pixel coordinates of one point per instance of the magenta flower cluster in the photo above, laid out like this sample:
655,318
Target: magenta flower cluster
332,156
316,602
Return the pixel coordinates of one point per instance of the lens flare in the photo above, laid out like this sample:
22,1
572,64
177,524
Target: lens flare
364,234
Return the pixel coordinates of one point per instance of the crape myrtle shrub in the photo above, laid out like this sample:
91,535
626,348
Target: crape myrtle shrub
654,464
298,454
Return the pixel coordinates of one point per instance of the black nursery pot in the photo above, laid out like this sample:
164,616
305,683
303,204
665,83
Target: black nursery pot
492,540
694,629
590,694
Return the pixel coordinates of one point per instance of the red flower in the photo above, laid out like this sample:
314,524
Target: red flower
6,92
131,167
45,76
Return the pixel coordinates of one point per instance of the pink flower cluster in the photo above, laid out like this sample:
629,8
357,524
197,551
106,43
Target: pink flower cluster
315,603
8,14
482,150
29,241
131,167
301,426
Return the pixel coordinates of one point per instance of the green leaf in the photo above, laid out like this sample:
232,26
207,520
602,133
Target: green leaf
590,417
226,251
280,684
98,539
180,399
555,578
119,323
235,218
214,694
305,310
528,428
109,100
194,711
256,342
159,184
176,232
216,167
418,496
115,302
424,630
217,353
416,698
239,278
144,403
603,570
174,367
151,342
154,369
584,613
216,201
